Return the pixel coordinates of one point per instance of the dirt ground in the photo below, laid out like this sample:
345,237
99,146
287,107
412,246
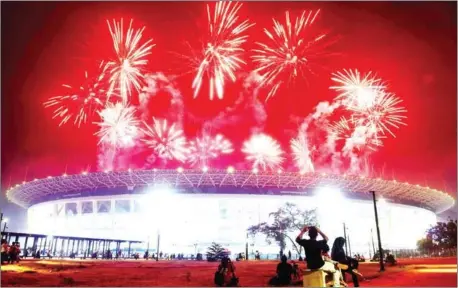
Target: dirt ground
134,273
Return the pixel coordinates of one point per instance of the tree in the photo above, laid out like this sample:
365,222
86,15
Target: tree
442,235
215,252
425,244
286,220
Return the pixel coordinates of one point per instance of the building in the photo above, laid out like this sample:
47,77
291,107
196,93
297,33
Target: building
186,210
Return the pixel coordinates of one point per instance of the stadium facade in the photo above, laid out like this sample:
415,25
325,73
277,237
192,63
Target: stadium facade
186,210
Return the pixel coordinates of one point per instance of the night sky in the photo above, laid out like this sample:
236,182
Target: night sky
412,45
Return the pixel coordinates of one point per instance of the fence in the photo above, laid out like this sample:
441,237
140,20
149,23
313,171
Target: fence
426,253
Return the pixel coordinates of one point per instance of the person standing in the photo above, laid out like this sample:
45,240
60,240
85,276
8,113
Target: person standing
314,250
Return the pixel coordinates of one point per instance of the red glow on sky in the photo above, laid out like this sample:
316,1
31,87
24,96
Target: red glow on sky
47,44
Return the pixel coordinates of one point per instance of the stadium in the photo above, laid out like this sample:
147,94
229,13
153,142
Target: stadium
189,209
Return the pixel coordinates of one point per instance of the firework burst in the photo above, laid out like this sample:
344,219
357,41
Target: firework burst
168,142
357,91
221,56
126,70
366,97
81,103
384,113
202,150
263,151
302,153
119,126
355,136
288,54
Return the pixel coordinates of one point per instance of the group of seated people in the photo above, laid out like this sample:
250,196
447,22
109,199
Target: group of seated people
317,258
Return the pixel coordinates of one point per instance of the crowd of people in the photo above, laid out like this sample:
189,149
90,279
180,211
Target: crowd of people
10,253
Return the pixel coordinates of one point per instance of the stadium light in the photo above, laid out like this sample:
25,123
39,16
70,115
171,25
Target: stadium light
180,170
255,170
230,169
327,193
205,169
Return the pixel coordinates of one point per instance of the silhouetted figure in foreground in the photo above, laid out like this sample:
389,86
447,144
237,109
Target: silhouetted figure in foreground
284,273
314,250
338,255
225,275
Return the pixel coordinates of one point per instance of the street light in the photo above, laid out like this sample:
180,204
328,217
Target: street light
382,266
5,225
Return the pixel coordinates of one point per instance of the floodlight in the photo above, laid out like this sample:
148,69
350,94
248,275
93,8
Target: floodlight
230,169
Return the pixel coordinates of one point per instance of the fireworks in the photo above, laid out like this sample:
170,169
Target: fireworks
264,151
201,150
221,57
80,104
288,54
301,153
119,127
357,91
167,142
384,113
366,97
355,136
126,71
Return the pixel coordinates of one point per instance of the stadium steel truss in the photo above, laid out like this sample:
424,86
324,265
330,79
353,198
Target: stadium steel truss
36,191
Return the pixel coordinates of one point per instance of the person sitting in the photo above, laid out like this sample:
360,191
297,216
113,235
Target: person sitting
313,252
225,275
338,255
284,273
296,270
4,251
390,259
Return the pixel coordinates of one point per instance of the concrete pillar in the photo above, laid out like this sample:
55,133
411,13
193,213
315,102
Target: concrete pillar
44,246
34,245
68,247
73,246
128,251
25,245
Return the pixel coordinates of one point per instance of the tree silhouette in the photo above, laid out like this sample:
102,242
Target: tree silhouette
286,220
442,235
215,251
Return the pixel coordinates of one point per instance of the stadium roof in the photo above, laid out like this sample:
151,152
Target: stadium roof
41,190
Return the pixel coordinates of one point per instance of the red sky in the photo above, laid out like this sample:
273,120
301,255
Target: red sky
412,45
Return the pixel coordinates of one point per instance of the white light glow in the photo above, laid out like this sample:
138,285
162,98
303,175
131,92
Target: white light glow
184,219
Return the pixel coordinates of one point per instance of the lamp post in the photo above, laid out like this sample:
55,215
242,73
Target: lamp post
345,236
5,225
246,247
349,245
382,266
158,241
373,244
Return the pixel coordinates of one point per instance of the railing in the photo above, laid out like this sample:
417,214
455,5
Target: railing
426,253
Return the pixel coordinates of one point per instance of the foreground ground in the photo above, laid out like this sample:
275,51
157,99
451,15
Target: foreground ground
96,273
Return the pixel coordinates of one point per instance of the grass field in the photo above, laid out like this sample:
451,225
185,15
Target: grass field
97,273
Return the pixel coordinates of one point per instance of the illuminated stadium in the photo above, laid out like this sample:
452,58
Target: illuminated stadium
192,208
